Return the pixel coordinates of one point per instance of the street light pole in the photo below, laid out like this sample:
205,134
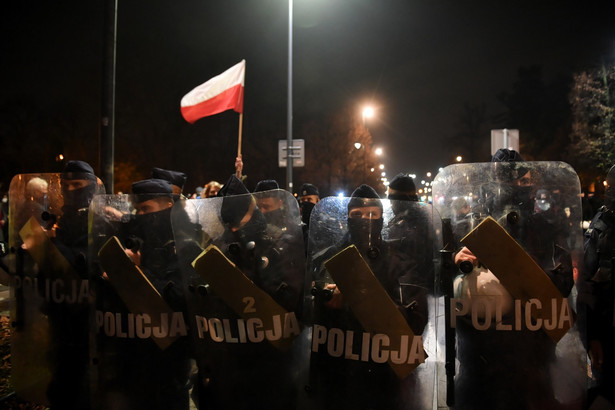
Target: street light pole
359,145
107,124
289,120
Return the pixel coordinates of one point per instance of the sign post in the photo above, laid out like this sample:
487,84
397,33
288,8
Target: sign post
504,138
296,152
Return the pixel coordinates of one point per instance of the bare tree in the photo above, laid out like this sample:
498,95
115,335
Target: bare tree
339,155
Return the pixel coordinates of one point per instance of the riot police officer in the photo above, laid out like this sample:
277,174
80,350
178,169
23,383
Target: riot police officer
249,373
69,320
504,367
308,198
270,203
597,293
256,246
338,381
136,371
408,227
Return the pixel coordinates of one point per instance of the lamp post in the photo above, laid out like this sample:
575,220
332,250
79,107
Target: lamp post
358,146
289,119
107,124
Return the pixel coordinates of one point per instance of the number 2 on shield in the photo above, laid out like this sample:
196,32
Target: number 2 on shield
249,301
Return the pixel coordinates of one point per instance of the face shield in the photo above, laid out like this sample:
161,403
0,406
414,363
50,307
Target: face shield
609,189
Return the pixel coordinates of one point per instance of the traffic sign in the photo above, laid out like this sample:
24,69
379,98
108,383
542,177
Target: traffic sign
296,152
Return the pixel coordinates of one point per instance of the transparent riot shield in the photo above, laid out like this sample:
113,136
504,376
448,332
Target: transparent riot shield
510,296
244,270
371,305
50,296
141,353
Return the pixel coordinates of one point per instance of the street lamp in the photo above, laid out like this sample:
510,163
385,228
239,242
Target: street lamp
368,112
289,109
459,158
378,151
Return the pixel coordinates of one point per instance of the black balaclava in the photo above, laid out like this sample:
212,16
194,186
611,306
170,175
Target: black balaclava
73,225
78,199
306,211
365,234
152,229
156,232
253,230
276,217
511,169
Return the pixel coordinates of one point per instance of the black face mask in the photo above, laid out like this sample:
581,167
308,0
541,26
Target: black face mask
306,211
276,217
522,197
365,235
78,198
253,230
153,228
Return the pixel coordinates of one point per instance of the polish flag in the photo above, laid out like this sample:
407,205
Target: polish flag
222,92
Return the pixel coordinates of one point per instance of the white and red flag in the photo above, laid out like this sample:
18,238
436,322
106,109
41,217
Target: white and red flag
222,92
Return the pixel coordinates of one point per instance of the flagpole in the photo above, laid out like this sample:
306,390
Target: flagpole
239,139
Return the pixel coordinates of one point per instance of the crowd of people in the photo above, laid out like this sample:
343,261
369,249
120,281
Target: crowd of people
207,349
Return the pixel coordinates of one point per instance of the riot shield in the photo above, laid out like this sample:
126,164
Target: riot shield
50,295
141,354
371,307
244,270
516,235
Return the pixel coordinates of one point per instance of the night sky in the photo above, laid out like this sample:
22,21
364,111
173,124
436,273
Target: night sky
417,62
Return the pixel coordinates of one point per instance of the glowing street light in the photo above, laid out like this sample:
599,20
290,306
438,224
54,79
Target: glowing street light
368,112
459,158
378,151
